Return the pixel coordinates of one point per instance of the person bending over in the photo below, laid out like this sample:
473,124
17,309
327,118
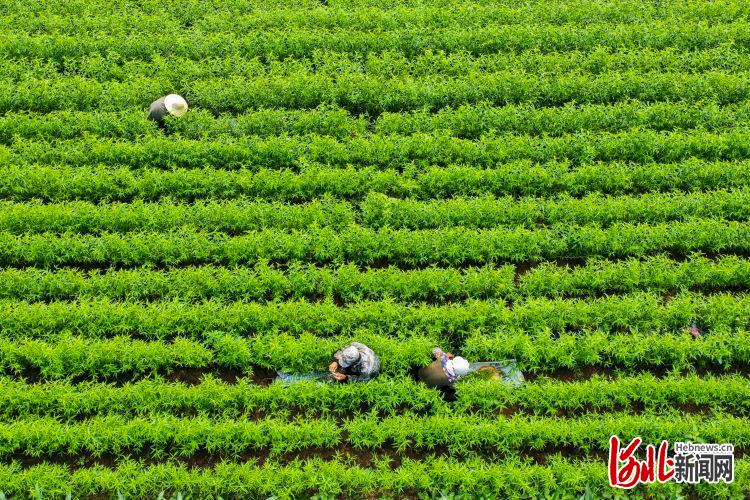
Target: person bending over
171,104
445,370
355,363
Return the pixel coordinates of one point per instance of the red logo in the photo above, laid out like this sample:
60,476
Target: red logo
625,471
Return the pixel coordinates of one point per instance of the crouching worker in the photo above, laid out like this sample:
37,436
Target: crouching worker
171,104
445,370
354,363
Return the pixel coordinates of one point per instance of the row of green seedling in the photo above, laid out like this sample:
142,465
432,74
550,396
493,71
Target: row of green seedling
216,398
365,247
637,312
231,18
361,93
385,151
284,43
181,71
383,395
466,121
56,183
375,211
165,435
432,477
349,283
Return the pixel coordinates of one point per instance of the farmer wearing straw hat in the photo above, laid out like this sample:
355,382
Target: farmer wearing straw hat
171,104
355,363
447,369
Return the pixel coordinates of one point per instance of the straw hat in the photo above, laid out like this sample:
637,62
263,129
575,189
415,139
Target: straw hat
460,366
175,104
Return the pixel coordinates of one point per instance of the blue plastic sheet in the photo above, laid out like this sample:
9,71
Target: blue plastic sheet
287,378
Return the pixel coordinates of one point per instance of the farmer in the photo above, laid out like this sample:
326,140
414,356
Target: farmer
355,363
171,104
445,370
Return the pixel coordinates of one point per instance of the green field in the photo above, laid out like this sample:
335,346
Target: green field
565,183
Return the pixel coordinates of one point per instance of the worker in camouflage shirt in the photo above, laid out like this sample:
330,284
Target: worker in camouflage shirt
355,363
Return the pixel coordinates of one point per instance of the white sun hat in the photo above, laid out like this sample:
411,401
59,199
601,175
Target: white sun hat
460,366
175,104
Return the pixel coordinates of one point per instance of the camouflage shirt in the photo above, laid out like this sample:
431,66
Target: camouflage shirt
367,367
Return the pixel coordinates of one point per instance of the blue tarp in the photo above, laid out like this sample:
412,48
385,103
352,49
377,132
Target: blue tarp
289,378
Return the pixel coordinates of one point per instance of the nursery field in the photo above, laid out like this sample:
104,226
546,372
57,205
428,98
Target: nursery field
565,183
